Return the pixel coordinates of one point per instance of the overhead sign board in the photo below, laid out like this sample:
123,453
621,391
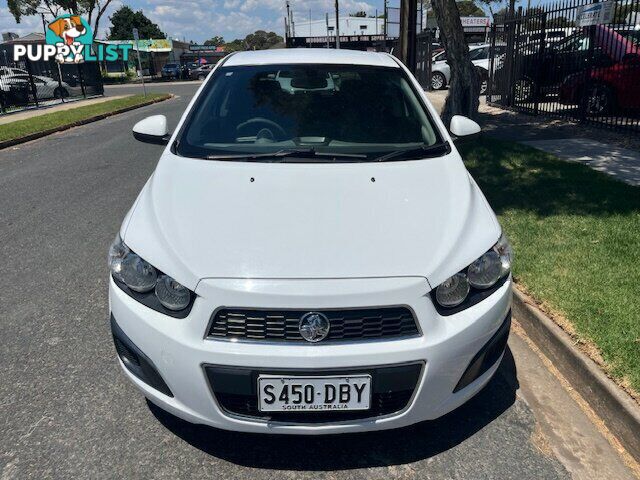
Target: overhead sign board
206,48
594,14
475,21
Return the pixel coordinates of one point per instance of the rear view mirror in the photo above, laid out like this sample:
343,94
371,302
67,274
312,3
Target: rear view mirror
464,127
152,129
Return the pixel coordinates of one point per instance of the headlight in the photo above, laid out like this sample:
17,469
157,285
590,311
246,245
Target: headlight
139,275
143,282
171,294
477,281
453,290
485,271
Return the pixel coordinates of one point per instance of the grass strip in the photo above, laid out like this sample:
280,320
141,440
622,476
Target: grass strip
64,118
576,236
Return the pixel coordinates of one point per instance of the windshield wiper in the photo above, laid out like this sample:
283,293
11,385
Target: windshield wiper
280,155
415,153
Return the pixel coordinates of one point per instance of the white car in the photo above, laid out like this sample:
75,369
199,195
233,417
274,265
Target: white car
46,87
441,72
12,71
309,263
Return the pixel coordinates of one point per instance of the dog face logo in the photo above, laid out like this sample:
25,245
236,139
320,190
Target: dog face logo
70,33
68,28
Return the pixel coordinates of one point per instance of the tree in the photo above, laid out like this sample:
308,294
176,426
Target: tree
215,41
261,40
124,20
235,46
467,8
464,88
361,13
92,9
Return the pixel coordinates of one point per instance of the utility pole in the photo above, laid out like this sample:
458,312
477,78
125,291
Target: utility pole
326,18
337,25
288,31
386,23
408,20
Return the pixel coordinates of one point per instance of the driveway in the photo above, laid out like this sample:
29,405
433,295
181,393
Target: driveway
66,410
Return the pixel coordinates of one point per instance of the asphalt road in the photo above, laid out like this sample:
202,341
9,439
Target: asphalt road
66,410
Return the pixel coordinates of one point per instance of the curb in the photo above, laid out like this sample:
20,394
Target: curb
61,128
620,413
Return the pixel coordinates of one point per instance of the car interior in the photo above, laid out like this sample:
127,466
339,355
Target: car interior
296,106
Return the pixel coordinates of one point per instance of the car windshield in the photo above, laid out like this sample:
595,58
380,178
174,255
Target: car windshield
171,65
357,112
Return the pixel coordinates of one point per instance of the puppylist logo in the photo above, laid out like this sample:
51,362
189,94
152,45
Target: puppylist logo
69,40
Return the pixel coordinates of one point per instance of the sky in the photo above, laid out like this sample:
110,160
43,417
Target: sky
203,19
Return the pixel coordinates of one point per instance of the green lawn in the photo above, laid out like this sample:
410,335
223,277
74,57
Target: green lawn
46,121
576,236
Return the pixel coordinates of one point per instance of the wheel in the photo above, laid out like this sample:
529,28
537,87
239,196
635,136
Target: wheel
201,77
60,92
597,100
482,75
438,81
524,90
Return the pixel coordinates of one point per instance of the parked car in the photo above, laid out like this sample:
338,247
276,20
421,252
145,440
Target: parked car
171,71
4,71
46,87
186,69
602,91
545,73
310,262
201,72
441,72
13,92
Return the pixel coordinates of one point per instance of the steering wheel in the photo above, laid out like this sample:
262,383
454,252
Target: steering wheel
265,122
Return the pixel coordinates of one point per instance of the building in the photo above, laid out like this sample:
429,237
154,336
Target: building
349,26
476,29
202,54
154,54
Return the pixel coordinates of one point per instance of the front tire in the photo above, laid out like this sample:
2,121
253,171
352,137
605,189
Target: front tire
597,100
60,92
484,81
438,82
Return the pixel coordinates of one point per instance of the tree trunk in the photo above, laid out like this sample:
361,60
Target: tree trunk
464,87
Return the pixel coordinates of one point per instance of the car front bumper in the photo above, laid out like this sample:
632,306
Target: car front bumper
180,352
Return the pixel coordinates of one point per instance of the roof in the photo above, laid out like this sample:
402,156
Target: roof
34,37
311,55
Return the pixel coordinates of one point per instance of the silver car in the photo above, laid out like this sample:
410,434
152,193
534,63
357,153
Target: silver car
441,72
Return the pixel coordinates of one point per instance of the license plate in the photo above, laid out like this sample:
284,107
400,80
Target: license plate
313,394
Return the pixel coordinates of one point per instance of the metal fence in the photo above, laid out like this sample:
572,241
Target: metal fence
571,59
424,58
28,83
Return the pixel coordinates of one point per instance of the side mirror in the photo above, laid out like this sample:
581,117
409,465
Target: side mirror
152,129
464,128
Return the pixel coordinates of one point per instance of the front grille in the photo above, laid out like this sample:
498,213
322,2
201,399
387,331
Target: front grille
235,390
282,325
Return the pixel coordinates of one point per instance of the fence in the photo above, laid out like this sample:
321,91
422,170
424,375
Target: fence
424,58
569,59
38,83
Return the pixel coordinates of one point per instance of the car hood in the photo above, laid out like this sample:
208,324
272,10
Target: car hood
198,219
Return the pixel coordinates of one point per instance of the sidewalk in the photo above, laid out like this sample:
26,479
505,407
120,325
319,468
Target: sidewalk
614,152
34,112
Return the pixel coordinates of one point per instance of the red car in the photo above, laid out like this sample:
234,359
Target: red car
605,89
